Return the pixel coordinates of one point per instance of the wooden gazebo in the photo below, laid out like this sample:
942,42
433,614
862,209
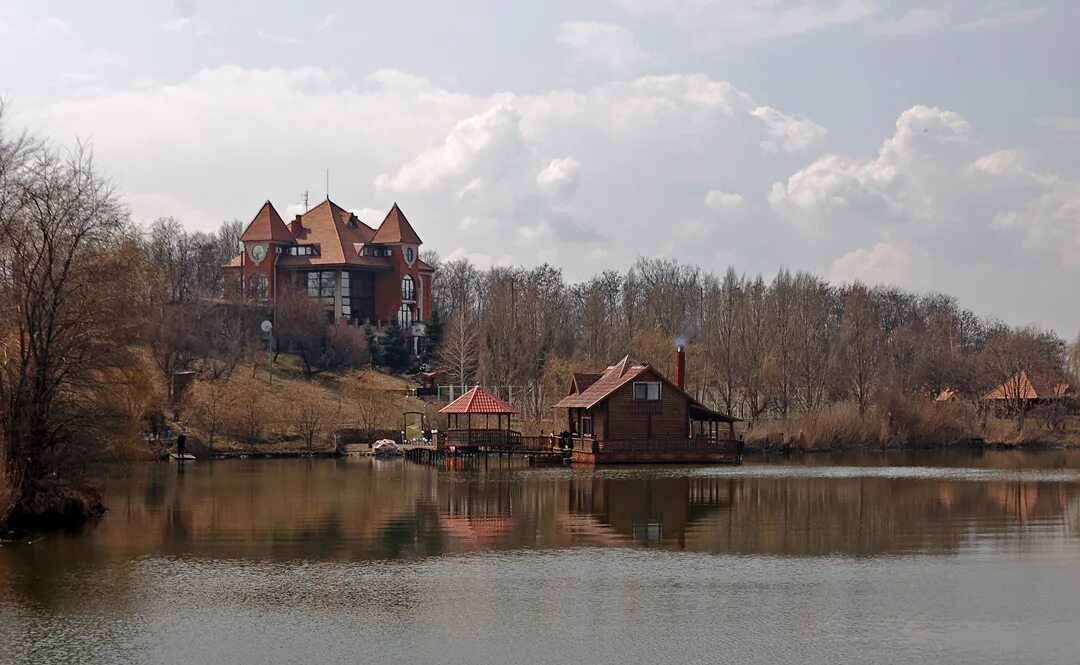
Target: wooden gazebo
467,410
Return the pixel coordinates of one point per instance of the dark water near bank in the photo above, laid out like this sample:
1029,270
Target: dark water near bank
913,558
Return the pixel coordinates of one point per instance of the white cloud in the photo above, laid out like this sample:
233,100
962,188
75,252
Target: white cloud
327,21
884,263
54,26
177,24
1061,123
370,216
560,178
287,40
788,132
912,178
1000,163
491,138
1005,18
914,21
718,23
724,202
605,45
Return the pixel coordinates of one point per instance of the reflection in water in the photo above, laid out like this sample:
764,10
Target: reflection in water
336,537
364,509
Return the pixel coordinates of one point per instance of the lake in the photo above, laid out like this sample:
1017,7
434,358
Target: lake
891,558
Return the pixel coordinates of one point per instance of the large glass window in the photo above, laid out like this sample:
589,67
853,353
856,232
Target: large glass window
408,289
361,296
405,316
323,284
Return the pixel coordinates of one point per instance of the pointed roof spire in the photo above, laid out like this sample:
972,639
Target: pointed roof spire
396,229
267,225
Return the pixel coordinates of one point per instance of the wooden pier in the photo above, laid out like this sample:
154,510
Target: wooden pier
534,451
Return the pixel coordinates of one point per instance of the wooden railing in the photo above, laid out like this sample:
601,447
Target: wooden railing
480,438
586,444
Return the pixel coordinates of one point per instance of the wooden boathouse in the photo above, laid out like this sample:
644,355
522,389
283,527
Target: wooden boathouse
633,414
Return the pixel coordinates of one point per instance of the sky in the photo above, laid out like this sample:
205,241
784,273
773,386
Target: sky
928,145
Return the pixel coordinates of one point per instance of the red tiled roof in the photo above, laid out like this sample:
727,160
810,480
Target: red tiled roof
582,381
339,235
1029,385
267,225
396,229
479,401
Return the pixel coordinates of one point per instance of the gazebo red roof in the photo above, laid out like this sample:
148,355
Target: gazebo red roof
479,401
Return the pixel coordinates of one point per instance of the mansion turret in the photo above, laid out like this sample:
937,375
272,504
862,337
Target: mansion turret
362,275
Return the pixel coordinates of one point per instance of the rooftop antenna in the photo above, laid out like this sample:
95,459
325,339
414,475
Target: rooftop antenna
327,184
306,207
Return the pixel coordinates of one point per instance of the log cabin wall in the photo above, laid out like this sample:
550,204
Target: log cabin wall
629,419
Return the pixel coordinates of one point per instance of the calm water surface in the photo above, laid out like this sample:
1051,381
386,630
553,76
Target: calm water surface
926,558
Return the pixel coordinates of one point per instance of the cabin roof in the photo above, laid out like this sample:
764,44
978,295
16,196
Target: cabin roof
612,379
479,401
582,381
1032,384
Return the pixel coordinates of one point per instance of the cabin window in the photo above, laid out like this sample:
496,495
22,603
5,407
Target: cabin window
646,391
408,289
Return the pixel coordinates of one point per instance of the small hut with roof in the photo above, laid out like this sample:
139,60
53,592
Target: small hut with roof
465,415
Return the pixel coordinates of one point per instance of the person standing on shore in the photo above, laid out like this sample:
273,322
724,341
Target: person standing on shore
181,444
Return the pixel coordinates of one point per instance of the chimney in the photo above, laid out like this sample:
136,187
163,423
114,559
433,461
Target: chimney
295,226
680,367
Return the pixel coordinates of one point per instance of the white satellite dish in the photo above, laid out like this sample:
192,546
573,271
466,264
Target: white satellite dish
266,326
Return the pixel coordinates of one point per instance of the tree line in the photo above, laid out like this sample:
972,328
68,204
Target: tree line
757,348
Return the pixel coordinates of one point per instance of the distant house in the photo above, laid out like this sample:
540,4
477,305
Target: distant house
632,413
1029,388
360,274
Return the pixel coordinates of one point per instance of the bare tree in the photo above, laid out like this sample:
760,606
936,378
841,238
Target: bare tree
860,345
212,402
459,352
311,413
69,282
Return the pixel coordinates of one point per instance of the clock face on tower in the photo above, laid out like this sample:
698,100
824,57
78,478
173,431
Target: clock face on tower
257,252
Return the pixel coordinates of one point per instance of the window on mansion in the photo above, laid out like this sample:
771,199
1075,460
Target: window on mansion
408,289
258,286
323,284
405,316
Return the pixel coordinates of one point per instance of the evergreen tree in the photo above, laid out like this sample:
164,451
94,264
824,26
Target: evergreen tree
374,345
392,347
433,337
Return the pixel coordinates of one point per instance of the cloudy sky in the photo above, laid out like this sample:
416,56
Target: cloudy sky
929,144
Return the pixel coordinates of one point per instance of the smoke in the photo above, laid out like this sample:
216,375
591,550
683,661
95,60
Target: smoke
688,331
